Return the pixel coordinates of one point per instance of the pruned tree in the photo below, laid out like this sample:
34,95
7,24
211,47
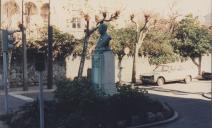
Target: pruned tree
30,10
10,8
140,35
173,16
45,11
89,32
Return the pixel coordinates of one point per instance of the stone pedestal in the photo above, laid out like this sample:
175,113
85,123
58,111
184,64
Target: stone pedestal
103,72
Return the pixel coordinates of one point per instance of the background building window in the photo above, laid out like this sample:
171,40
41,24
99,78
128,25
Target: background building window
76,22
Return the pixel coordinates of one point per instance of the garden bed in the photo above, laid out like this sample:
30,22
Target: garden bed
78,105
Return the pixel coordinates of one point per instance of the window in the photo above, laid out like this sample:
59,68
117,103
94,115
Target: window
76,22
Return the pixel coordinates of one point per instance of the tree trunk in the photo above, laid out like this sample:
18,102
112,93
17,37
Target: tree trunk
200,66
83,57
120,68
135,57
50,59
133,80
25,84
25,77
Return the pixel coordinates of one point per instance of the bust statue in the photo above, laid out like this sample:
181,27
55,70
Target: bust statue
104,39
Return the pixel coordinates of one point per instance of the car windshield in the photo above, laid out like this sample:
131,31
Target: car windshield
162,68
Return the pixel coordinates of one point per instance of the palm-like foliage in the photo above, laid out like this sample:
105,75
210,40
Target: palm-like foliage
45,11
11,8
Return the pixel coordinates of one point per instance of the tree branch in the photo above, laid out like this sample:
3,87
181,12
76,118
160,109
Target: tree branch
193,60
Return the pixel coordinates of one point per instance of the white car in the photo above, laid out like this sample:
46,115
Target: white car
168,73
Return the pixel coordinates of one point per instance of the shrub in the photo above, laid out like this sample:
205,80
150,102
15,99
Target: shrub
78,105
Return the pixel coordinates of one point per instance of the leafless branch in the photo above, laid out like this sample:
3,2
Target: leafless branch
113,16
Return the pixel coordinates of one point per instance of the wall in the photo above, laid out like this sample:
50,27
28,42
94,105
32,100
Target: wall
70,69
143,66
16,76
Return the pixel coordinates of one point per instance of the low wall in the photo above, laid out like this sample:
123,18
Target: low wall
16,75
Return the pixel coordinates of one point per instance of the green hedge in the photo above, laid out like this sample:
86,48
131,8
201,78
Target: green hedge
78,105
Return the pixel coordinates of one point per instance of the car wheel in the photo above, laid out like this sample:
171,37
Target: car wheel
160,81
187,79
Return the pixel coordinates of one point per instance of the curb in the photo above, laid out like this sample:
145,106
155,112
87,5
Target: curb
206,96
22,97
173,118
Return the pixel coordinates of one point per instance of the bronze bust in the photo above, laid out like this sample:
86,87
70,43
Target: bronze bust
104,39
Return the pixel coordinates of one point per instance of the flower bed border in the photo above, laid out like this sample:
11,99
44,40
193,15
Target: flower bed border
169,120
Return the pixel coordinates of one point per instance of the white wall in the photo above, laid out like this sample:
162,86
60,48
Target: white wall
143,66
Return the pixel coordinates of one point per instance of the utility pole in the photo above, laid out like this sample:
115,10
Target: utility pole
49,57
25,86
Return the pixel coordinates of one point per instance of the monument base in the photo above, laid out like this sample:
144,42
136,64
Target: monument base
103,72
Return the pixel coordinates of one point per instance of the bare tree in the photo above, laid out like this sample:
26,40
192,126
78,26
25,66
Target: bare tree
10,8
45,12
30,10
89,32
141,34
173,17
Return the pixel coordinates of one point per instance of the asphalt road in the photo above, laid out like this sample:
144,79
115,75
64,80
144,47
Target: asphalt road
195,111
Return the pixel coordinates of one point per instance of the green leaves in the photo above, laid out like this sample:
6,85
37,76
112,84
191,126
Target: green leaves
122,38
157,47
192,39
63,43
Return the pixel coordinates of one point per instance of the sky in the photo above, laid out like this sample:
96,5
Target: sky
197,7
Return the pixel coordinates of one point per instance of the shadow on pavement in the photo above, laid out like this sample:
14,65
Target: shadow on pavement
193,113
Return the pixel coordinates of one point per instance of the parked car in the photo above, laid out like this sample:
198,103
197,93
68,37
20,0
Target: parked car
168,73
207,75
